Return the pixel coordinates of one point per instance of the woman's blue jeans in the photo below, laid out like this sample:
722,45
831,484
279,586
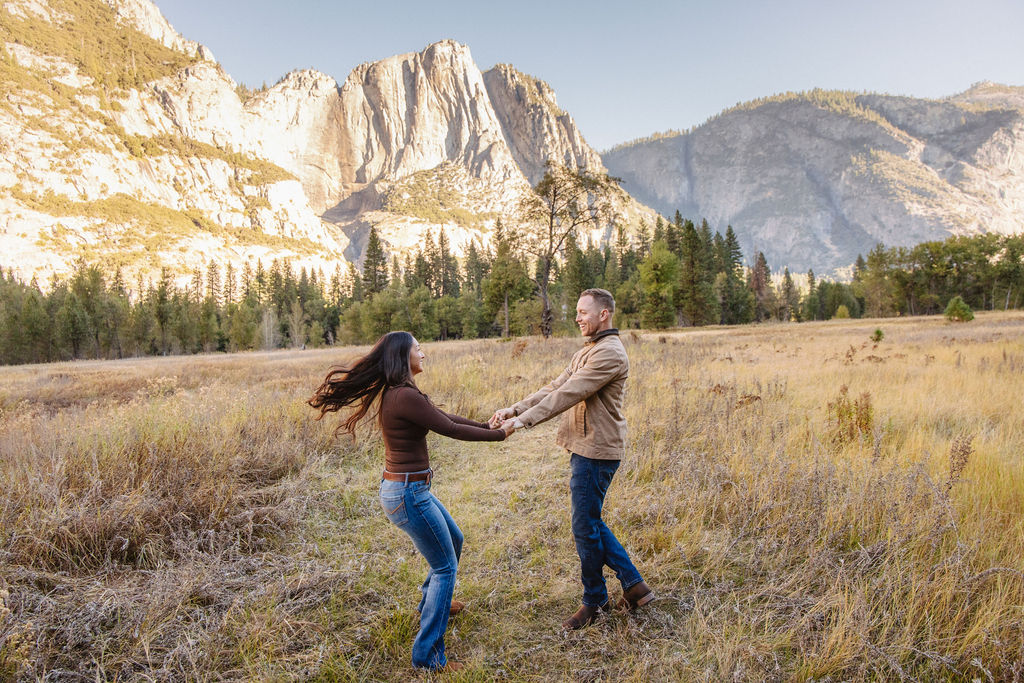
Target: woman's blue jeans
595,542
414,509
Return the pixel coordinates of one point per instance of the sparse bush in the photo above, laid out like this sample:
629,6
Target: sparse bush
849,419
877,335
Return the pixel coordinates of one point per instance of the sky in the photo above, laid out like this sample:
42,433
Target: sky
625,70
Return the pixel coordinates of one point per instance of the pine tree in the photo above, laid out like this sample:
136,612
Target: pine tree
447,267
72,324
674,234
695,300
643,242
476,267
737,299
431,265
789,298
375,265
229,284
659,275
507,282
213,289
163,309
811,309
574,275
765,303
659,229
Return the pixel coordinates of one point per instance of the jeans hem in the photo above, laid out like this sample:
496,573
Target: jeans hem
626,588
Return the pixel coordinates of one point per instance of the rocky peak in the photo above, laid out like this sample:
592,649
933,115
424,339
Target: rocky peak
416,111
535,126
144,16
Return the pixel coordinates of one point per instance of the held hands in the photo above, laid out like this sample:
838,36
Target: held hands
499,417
508,426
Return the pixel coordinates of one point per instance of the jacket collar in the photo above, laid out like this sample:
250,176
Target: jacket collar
600,335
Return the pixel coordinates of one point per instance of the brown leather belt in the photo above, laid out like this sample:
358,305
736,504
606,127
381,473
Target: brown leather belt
423,475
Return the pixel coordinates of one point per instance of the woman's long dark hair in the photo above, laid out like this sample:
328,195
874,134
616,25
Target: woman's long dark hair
386,365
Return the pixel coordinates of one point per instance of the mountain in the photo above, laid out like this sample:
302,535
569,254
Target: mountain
126,143
813,179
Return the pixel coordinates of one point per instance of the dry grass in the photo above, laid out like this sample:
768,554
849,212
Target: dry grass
808,505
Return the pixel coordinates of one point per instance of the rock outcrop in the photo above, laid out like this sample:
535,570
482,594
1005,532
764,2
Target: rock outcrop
535,126
814,179
185,167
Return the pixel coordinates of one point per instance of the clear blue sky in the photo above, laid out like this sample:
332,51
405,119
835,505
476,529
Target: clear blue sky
629,69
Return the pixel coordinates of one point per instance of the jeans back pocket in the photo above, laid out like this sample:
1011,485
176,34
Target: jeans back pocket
394,509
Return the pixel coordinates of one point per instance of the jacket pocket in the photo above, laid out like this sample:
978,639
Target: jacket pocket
580,418
394,509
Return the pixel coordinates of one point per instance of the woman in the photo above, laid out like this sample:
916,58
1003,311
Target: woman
406,415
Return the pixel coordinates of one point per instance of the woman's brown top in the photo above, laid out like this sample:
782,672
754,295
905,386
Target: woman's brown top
406,415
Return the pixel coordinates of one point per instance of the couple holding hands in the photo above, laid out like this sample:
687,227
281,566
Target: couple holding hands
589,395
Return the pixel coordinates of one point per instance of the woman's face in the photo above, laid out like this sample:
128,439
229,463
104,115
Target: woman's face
416,358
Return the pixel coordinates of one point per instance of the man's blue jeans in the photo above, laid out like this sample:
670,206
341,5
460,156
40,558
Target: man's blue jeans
414,509
595,542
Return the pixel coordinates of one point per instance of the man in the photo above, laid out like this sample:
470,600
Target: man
594,433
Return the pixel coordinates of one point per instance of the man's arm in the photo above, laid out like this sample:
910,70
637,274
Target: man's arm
600,368
539,395
503,414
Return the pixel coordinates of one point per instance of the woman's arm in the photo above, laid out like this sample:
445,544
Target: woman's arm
414,407
458,419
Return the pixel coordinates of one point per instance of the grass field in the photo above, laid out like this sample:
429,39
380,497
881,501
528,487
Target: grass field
807,503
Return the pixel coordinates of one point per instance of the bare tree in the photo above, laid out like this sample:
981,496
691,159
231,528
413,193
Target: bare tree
296,319
562,202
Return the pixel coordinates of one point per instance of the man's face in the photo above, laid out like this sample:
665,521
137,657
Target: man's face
589,316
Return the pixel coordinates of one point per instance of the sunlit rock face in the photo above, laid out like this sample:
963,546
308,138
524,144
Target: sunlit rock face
813,180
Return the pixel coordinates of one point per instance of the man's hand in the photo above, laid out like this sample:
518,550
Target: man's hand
509,427
499,417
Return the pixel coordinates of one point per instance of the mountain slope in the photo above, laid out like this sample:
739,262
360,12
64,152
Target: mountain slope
816,178
96,164
125,142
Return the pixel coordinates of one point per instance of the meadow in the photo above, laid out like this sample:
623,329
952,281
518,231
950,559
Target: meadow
808,501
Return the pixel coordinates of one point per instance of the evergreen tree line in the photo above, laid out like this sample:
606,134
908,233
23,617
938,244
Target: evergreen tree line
681,274
986,271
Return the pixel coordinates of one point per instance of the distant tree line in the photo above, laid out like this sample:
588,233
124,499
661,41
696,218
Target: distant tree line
676,275
987,271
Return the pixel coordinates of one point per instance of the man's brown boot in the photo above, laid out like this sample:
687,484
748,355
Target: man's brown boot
635,596
584,616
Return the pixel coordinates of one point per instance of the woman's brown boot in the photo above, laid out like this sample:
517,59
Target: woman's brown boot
584,616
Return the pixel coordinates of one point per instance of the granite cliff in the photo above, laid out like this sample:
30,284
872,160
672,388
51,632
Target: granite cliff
146,152
813,179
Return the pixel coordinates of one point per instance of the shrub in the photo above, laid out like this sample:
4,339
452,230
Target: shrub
958,311
877,335
849,419
842,312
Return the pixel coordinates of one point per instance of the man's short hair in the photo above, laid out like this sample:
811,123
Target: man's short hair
603,298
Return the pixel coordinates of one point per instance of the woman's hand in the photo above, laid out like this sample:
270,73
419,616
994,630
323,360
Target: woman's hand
500,416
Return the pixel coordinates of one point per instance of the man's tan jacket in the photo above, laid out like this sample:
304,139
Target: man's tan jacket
594,387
